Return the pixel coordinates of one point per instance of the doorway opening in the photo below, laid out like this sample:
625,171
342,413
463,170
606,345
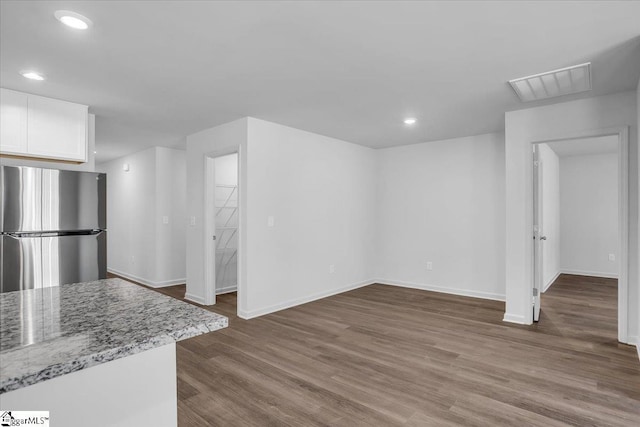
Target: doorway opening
580,226
222,231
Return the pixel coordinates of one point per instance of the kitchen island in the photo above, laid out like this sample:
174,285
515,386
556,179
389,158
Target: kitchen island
101,353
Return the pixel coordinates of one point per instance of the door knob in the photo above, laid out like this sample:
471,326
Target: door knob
543,237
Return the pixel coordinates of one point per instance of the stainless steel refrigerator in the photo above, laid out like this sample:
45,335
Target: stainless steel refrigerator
53,227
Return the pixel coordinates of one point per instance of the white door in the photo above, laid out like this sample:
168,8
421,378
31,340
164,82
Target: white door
538,233
210,231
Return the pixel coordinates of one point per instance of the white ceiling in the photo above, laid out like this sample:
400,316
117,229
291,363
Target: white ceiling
154,72
586,146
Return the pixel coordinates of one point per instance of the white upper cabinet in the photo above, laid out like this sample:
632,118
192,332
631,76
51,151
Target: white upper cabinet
57,129
50,128
13,122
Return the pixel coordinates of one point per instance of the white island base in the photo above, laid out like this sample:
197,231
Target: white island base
137,390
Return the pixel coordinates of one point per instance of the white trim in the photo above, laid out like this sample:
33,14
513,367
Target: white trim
303,300
514,318
209,230
424,287
226,290
147,282
194,298
210,226
633,340
452,291
589,273
623,219
548,285
623,234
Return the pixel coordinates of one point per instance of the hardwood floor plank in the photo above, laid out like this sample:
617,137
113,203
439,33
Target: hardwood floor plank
382,355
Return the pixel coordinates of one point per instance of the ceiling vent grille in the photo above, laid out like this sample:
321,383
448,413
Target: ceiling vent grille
564,81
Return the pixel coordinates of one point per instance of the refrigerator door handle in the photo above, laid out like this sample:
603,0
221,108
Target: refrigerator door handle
20,235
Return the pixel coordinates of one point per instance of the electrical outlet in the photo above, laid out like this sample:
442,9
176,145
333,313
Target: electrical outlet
612,257
429,265
192,221
332,269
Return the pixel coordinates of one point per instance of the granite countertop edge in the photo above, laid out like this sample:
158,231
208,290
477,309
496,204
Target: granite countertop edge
116,319
88,361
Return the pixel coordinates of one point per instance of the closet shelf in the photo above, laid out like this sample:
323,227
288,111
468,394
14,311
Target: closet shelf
226,205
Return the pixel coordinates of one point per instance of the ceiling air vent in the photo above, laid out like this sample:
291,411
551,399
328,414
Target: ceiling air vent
564,81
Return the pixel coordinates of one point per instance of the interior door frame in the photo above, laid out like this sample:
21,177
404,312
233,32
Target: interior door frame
210,225
622,132
538,231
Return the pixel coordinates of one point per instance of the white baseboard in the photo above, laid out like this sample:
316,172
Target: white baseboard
514,318
226,290
147,282
452,291
634,340
299,301
194,298
590,273
548,285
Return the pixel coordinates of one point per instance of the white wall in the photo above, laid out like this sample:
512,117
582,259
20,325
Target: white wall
130,214
171,202
321,193
88,166
638,194
140,246
227,170
551,227
553,122
589,214
220,139
443,202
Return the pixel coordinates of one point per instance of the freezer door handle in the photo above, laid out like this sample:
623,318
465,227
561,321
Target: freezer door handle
31,261
18,235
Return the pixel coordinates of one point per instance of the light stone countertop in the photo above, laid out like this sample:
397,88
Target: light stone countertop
49,332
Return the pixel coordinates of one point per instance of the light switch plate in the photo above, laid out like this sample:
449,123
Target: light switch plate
270,221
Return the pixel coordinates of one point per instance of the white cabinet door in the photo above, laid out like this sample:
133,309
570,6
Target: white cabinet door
13,122
57,129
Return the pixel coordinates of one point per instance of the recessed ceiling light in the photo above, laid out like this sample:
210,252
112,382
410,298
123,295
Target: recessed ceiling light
409,121
72,19
32,75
